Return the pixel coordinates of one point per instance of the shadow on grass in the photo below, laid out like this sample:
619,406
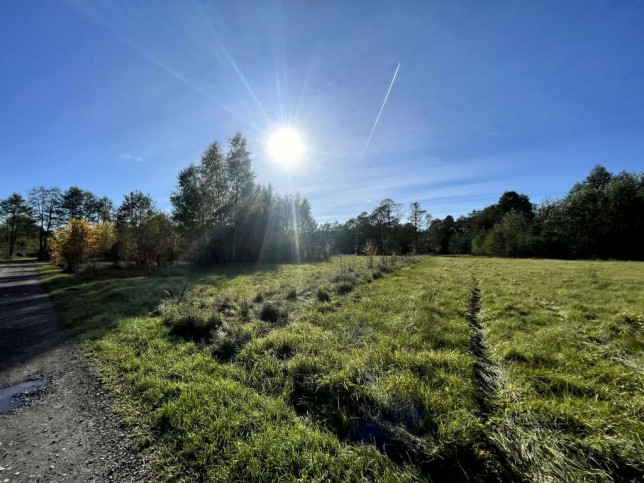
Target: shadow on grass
93,301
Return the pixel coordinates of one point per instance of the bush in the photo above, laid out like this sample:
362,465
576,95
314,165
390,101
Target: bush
259,298
377,274
370,250
291,295
323,295
193,324
272,313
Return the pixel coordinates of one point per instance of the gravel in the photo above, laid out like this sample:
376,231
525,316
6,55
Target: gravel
67,429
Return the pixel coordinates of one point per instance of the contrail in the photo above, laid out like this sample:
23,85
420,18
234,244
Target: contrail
381,108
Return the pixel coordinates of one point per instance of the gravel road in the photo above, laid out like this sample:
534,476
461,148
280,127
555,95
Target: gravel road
66,430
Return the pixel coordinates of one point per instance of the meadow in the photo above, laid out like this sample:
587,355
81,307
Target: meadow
420,368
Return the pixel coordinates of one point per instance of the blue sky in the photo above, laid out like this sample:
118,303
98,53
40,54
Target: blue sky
491,96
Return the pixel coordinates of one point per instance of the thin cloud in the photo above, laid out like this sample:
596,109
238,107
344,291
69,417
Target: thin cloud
130,157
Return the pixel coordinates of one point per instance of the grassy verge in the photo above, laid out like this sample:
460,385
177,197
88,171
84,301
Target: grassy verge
446,368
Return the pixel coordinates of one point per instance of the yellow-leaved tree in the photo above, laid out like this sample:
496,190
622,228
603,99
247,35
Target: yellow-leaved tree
104,234
74,244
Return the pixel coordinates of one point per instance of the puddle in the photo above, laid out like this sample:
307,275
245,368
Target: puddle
13,397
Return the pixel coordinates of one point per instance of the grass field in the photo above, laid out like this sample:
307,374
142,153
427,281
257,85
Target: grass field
456,367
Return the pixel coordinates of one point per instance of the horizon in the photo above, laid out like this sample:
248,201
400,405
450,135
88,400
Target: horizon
487,99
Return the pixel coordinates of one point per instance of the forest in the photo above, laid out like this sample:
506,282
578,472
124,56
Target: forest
221,214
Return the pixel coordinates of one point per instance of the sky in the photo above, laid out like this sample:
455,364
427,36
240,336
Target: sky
114,96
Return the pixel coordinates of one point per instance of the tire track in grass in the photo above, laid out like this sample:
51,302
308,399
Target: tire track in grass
521,448
486,375
487,379
363,419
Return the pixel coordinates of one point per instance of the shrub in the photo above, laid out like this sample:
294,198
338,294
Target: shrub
291,295
193,324
272,313
370,250
259,298
377,274
323,295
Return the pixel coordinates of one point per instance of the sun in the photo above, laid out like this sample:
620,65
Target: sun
286,146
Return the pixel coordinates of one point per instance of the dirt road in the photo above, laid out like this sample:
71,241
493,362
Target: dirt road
66,430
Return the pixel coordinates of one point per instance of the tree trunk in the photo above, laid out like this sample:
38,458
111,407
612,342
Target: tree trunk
13,234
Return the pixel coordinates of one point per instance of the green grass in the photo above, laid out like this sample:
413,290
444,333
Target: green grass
15,258
334,371
569,338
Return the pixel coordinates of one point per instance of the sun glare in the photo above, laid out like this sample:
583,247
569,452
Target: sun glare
286,146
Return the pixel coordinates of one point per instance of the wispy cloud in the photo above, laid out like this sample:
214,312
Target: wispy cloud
130,157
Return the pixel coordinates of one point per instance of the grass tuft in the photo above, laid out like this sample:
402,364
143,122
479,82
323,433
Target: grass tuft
191,323
229,340
323,295
343,288
244,309
272,313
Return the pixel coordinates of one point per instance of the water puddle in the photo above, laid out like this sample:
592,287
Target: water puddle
13,397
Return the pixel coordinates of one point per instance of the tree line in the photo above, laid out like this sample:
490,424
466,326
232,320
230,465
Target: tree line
600,217
220,214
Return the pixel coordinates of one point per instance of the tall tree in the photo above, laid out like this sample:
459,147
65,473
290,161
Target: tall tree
416,218
207,201
201,198
104,209
132,219
512,201
89,210
15,214
240,180
387,217
188,210
45,206
72,204
214,186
